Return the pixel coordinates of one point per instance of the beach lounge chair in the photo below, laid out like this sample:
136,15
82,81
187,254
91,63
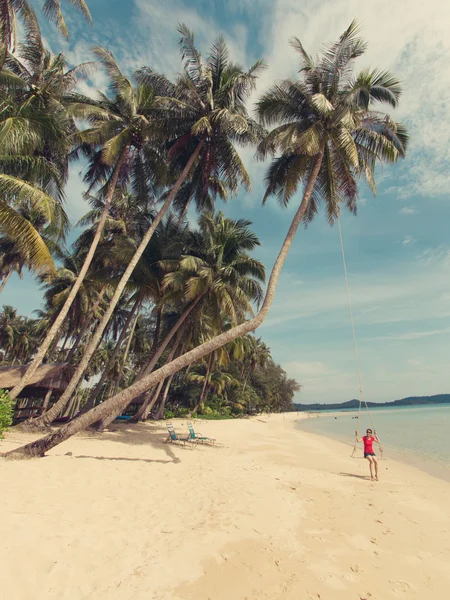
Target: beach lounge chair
199,438
173,437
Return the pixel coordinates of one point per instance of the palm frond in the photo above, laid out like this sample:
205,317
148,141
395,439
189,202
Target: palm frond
189,53
36,254
52,10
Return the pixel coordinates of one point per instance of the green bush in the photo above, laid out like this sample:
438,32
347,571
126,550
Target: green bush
168,414
6,412
181,412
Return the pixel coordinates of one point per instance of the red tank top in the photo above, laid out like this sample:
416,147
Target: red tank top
368,444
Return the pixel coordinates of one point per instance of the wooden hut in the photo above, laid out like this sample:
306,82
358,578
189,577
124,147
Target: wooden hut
47,384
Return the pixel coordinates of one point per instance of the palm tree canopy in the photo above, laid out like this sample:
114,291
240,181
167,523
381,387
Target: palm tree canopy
11,10
217,267
208,103
329,109
125,122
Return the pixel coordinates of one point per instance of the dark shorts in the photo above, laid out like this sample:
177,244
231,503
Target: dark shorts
366,454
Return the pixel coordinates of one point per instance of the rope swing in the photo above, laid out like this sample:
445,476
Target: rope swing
362,398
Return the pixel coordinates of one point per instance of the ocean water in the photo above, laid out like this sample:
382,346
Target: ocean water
418,435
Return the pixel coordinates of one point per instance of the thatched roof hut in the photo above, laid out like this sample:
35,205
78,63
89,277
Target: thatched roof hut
53,376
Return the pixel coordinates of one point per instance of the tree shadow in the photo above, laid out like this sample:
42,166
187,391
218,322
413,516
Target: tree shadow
365,477
138,435
147,460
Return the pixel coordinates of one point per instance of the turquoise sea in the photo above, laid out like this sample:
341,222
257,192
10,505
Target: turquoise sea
418,435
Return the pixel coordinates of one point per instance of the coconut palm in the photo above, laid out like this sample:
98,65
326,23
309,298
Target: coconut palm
215,275
121,127
8,318
207,115
328,136
34,133
10,10
215,278
31,186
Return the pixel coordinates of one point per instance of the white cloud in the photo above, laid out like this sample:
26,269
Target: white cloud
435,255
408,210
413,335
408,240
415,362
409,38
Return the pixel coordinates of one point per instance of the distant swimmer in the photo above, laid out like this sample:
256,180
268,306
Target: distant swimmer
368,440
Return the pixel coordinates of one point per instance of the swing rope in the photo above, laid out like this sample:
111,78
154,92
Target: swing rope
362,398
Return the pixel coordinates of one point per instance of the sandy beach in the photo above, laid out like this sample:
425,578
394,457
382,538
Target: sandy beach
271,512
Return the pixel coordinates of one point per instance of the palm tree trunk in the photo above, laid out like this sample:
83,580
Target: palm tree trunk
205,383
66,339
48,395
5,281
91,401
73,292
58,407
125,354
149,400
74,401
71,351
85,324
92,346
160,413
148,404
183,212
122,399
148,368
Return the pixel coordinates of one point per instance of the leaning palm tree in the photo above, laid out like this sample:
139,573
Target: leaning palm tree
215,277
119,127
11,10
205,116
328,135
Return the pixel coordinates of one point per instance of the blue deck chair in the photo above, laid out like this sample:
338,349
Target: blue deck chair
199,438
173,437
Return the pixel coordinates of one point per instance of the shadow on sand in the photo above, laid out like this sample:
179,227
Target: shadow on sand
137,435
366,477
147,460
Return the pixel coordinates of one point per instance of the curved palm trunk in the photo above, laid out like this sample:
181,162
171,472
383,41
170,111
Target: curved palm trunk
58,407
121,400
148,368
85,324
125,354
205,383
92,346
147,405
160,414
5,281
184,212
91,401
73,292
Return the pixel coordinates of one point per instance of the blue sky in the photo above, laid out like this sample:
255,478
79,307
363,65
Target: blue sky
398,247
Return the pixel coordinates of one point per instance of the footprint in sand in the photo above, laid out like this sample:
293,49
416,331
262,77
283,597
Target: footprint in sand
400,587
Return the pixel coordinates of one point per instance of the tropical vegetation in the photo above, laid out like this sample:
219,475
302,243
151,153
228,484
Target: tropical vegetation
154,305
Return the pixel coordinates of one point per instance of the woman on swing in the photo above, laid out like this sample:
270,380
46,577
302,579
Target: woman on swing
368,440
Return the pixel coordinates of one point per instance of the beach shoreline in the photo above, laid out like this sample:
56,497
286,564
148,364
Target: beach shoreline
409,457
271,512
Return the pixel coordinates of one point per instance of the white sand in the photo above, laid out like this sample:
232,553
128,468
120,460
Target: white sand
273,513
